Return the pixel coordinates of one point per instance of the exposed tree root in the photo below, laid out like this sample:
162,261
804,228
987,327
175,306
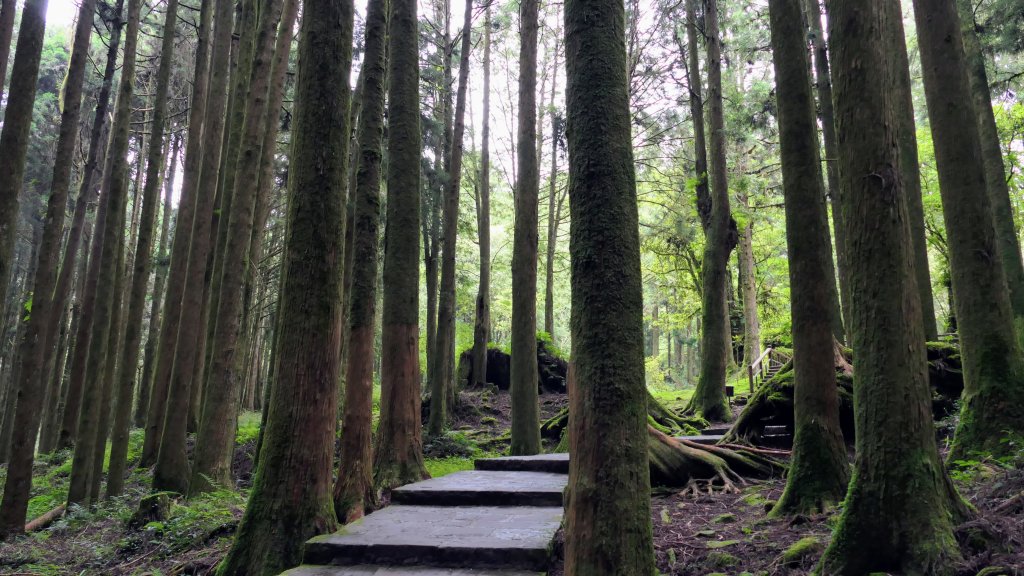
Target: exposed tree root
681,463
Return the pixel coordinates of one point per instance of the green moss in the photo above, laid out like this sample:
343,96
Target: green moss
720,560
802,549
722,544
724,518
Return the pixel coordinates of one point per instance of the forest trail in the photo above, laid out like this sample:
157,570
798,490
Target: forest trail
497,520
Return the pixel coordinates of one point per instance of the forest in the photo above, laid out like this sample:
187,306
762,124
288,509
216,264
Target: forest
511,287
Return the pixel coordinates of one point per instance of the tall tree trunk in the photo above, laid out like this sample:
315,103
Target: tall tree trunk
899,511
748,289
354,494
196,153
290,503
819,471
18,326
993,404
87,191
17,121
33,382
826,114
172,467
655,337
697,114
398,452
216,438
608,516
912,182
525,409
7,12
160,278
444,381
105,266
992,157
143,258
552,235
709,398
482,318
54,372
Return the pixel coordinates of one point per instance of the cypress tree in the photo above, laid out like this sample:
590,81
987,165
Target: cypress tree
819,472
482,317
608,515
291,496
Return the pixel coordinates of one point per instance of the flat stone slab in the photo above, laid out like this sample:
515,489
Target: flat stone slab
715,430
705,439
485,488
444,537
556,463
366,570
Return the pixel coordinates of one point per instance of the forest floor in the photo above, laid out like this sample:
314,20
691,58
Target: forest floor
711,534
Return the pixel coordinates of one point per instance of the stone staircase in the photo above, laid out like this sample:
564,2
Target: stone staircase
497,520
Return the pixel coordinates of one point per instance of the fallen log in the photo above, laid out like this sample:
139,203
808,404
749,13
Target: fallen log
46,519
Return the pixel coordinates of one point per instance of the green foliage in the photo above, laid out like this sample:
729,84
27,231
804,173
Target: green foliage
248,427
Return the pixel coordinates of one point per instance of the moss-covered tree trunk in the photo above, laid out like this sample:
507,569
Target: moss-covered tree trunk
482,318
899,510
819,471
105,264
216,437
21,96
172,467
33,380
992,158
694,19
608,516
291,497
142,264
443,381
525,409
354,494
993,403
553,213
709,398
398,452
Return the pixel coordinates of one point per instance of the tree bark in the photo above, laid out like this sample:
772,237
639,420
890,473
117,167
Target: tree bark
992,158
398,452
143,259
818,472
354,495
33,380
899,510
525,409
105,266
608,516
709,400
553,212
172,467
697,115
21,96
290,503
482,318
993,399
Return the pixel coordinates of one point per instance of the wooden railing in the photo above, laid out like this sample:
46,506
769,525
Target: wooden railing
768,363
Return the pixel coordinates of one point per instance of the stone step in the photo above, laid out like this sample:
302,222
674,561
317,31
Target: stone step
444,537
556,463
485,488
716,430
366,570
705,439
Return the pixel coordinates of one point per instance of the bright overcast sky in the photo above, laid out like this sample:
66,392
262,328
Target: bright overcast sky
61,12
